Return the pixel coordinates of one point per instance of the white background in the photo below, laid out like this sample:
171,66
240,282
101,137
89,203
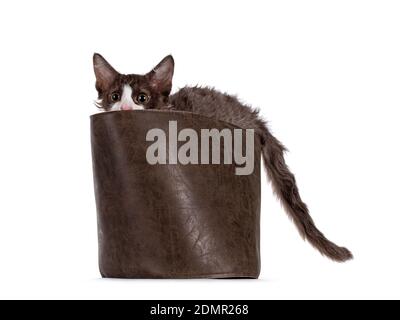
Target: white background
326,74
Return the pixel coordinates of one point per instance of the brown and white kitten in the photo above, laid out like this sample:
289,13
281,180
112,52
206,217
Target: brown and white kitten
152,91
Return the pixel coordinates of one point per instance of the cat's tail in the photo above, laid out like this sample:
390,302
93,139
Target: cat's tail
284,185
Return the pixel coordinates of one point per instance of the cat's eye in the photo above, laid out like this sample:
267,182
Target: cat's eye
142,98
115,96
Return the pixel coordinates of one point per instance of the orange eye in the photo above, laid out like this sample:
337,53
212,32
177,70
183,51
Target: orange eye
142,98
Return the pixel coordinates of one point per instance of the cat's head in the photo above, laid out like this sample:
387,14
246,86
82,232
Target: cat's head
118,91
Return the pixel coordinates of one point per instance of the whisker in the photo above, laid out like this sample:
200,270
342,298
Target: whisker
97,103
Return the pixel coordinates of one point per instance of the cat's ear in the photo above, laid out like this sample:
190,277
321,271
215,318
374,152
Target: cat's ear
161,75
105,73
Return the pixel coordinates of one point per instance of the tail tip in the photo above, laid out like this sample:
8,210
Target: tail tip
341,254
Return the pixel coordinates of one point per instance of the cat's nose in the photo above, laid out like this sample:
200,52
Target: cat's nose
126,107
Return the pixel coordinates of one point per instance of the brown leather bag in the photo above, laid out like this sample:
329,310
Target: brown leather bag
171,220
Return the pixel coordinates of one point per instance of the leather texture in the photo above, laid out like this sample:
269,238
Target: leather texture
171,221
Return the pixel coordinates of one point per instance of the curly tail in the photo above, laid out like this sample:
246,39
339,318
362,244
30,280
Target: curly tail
284,185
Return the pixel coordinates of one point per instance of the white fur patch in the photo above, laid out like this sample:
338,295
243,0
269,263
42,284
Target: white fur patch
126,102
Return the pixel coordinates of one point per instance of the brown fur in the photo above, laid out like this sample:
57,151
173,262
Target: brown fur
221,106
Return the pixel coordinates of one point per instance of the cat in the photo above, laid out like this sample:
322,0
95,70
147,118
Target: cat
152,91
